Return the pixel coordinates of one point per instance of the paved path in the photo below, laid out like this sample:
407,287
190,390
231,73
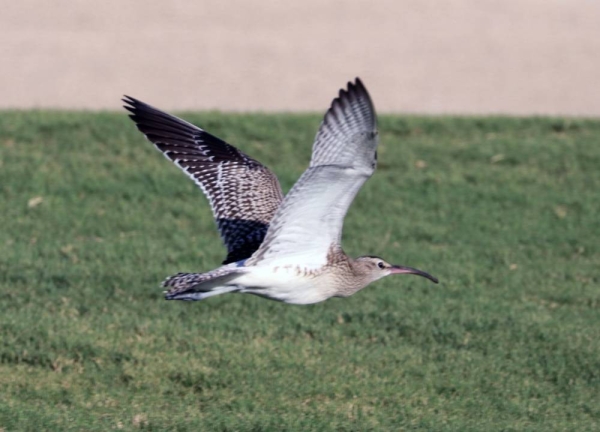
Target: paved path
424,56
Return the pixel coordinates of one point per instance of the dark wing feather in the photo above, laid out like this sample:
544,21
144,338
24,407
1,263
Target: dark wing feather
242,193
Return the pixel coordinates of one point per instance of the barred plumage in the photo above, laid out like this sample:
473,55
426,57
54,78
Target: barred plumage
242,193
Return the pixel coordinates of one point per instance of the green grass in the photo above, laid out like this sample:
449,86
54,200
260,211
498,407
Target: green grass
505,212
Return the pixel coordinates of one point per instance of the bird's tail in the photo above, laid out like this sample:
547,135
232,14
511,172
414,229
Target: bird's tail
198,286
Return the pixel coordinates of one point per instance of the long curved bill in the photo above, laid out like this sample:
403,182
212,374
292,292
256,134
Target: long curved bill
409,270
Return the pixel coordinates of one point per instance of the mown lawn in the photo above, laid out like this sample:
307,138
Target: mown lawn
505,212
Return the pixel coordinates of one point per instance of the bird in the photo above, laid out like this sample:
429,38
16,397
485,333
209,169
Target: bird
283,248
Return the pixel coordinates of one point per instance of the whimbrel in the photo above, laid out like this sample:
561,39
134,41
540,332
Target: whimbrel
286,249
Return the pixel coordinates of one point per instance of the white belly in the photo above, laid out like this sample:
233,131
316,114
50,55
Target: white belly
286,284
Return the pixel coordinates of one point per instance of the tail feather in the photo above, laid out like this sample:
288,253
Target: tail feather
191,295
198,286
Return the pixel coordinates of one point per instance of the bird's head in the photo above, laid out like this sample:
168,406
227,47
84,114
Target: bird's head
377,268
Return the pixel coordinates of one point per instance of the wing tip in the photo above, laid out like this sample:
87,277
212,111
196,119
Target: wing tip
354,94
352,89
360,89
136,106
146,116
130,102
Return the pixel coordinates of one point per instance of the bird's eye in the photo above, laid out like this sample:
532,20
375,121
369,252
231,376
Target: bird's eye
381,265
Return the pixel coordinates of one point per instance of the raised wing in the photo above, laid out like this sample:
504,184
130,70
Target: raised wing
242,193
309,221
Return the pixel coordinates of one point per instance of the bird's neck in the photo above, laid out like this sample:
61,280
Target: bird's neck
351,274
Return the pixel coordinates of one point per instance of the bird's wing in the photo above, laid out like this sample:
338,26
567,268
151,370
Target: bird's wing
242,193
309,221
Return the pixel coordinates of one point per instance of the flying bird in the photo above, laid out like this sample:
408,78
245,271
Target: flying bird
281,248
